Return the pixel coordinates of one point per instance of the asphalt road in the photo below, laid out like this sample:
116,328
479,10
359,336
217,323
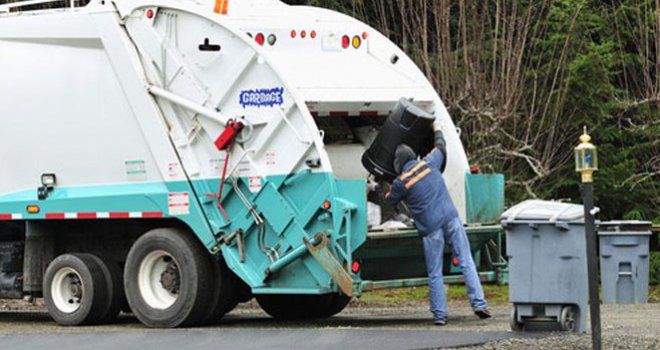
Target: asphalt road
285,338
249,328
360,326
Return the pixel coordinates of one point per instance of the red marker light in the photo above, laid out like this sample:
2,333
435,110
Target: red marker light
454,261
355,267
150,13
303,34
365,35
475,170
345,41
327,205
293,33
312,34
260,39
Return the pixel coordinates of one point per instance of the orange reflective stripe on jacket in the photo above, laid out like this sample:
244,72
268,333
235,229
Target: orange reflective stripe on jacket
412,171
419,176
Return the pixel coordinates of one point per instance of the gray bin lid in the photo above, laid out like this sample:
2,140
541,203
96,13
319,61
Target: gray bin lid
543,211
630,227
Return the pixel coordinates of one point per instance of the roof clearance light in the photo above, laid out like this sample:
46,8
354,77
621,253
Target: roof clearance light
357,41
365,35
312,34
272,39
293,33
303,34
260,39
345,41
150,13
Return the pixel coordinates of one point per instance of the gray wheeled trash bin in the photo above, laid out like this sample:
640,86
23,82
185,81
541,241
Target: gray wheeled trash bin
546,248
624,261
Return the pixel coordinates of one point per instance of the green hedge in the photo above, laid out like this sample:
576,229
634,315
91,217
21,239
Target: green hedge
654,268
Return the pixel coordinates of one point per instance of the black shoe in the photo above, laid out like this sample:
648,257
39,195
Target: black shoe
439,322
482,313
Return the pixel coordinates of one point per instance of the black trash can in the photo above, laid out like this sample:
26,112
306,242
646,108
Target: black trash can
408,124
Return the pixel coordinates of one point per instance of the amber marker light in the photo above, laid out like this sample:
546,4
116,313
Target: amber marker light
357,41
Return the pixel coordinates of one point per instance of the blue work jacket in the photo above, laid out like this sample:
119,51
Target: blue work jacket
423,189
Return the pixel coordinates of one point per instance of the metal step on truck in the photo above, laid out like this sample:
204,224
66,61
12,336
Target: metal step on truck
173,158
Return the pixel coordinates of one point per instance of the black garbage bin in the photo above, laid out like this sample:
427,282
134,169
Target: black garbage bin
408,124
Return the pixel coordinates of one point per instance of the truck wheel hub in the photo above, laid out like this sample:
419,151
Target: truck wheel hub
159,279
169,279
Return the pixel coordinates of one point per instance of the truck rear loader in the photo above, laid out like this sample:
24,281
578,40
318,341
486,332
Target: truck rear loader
173,158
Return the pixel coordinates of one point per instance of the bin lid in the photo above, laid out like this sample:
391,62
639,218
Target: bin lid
625,226
548,211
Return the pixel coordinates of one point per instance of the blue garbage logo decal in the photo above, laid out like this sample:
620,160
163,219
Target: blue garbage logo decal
262,97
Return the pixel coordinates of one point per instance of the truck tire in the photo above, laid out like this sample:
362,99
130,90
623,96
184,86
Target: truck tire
243,291
335,303
224,296
75,290
168,280
285,307
115,288
295,307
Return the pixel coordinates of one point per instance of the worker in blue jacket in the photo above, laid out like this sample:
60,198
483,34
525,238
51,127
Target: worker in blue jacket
421,186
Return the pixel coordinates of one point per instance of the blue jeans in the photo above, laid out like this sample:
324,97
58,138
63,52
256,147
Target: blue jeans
454,234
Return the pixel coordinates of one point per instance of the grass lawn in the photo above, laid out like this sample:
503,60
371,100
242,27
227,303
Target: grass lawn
654,294
494,294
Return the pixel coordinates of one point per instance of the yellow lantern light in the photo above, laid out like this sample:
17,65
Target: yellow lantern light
586,158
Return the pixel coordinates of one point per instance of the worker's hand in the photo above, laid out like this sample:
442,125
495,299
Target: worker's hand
438,125
372,185
439,141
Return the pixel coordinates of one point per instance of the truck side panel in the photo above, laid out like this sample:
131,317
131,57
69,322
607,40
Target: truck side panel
80,99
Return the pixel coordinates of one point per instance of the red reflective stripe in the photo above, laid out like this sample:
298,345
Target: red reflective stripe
339,114
5,216
368,113
55,216
116,215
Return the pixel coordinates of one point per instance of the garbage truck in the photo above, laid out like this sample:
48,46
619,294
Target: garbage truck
173,158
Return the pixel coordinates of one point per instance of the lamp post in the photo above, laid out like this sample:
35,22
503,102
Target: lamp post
586,162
